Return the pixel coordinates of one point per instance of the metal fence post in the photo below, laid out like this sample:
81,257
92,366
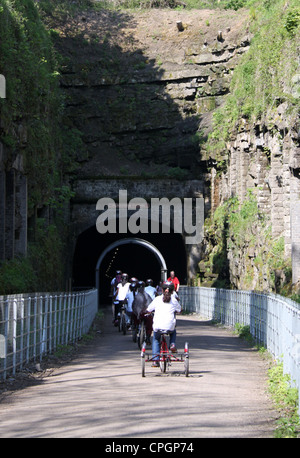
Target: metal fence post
6,330
21,332
28,329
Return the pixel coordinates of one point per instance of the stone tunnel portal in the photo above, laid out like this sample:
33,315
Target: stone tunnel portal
103,254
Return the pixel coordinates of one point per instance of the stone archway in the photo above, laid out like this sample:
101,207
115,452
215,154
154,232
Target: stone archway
136,241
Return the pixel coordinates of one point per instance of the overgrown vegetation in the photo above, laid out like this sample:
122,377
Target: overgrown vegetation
33,113
33,123
54,7
179,4
264,77
285,398
284,393
239,230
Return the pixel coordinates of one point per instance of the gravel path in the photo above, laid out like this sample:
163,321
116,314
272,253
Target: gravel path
101,393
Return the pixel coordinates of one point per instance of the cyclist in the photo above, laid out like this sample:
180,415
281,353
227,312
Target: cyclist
115,281
174,280
164,308
174,295
139,307
129,299
159,289
113,289
149,289
120,295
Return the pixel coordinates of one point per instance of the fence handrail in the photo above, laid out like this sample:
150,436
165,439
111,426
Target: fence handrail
273,320
34,324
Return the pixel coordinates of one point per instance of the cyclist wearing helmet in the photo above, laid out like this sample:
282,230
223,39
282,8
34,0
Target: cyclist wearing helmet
139,307
120,295
129,299
171,286
113,289
116,280
150,289
164,308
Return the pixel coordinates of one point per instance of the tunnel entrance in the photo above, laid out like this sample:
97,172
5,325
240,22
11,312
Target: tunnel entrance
106,253
137,261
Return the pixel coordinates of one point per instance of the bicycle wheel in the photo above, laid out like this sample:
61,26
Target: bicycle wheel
142,335
134,333
123,323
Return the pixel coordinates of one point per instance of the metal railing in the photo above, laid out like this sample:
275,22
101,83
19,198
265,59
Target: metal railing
273,320
34,325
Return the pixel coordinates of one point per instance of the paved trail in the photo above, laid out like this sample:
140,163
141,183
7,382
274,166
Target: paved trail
102,394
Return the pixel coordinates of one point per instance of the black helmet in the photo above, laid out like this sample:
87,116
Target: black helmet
124,276
133,286
141,284
133,280
149,282
168,284
118,272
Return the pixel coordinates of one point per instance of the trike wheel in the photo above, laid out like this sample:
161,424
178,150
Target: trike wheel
186,360
163,365
143,366
186,366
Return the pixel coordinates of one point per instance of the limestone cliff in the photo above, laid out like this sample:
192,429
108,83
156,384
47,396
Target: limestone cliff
141,91
261,155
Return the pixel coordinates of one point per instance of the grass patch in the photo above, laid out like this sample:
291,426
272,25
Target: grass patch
284,395
285,398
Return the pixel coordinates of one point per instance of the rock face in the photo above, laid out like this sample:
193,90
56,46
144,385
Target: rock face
264,157
141,91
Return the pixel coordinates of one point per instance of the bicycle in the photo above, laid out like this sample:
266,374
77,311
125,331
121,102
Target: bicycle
122,320
165,357
139,331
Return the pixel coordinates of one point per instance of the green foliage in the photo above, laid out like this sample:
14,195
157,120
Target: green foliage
33,121
262,80
240,221
189,4
59,7
178,173
285,397
242,229
235,4
34,104
292,21
41,270
17,276
243,331
46,256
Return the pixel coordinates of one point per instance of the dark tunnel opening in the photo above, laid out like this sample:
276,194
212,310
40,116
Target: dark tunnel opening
134,259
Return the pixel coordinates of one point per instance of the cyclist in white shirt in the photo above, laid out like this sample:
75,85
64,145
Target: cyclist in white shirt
120,295
164,307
